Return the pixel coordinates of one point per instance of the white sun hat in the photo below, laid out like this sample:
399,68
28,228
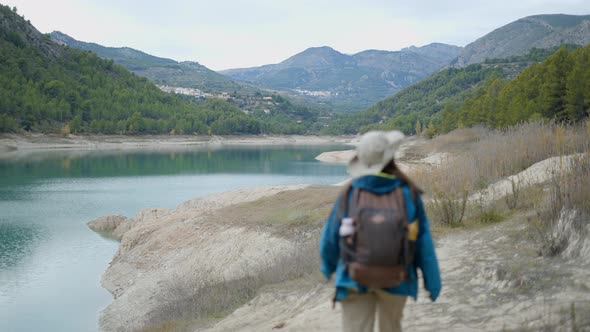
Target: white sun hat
375,150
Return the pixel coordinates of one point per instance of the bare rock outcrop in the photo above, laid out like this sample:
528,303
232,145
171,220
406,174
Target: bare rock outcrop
111,226
518,37
336,156
160,246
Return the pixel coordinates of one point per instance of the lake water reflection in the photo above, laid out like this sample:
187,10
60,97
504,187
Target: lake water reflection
51,263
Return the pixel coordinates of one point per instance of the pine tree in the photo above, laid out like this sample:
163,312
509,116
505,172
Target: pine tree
418,128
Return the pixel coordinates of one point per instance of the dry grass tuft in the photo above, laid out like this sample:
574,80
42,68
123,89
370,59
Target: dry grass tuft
287,211
565,210
458,139
486,156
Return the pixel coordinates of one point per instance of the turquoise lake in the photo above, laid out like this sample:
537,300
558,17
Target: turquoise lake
51,263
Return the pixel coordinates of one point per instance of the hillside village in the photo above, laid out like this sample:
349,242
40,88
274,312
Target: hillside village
247,103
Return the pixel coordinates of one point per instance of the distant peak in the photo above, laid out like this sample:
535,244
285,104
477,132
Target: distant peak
321,49
63,38
60,34
192,63
413,47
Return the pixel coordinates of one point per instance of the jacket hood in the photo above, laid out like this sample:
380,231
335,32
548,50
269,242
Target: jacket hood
376,183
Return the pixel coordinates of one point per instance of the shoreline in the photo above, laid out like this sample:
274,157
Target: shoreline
17,144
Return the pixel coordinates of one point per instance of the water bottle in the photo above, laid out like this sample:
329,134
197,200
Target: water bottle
346,227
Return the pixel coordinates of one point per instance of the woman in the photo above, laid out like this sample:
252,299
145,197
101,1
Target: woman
376,174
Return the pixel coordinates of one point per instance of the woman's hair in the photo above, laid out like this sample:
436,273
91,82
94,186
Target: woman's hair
391,168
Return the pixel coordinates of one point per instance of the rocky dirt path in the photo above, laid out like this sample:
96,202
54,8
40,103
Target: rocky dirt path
493,279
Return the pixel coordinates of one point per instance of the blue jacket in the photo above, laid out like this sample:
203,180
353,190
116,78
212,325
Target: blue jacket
424,258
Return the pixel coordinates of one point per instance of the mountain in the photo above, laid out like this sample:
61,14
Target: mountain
19,33
161,71
427,103
556,89
517,38
349,81
416,102
51,88
279,114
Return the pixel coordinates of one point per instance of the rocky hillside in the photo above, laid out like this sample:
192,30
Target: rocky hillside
193,79
50,88
160,70
517,38
434,104
349,81
417,102
22,34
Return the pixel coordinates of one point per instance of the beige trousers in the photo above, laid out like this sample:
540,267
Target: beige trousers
358,311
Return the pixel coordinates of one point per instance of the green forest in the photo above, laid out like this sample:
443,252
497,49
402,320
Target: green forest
497,93
417,102
555,89
49,88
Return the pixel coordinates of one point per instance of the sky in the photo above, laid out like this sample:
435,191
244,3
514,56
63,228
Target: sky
224,34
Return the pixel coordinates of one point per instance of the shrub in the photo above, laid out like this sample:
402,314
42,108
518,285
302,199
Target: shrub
513,196
486,156
566,209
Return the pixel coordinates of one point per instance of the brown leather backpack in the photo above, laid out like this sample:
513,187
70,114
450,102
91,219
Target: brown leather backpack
378,253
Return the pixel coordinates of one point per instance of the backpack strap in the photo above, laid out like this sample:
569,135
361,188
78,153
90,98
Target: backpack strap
344,203
353,209
401,201
348,203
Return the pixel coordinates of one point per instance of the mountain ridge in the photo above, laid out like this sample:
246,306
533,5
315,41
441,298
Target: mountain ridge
164,71
518,37
51,88
358,79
